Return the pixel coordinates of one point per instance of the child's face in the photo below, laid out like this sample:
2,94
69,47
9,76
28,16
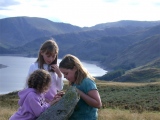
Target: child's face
48,58
69,74
46,88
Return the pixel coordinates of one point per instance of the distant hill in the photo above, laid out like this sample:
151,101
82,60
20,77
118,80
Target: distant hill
126,23
119,45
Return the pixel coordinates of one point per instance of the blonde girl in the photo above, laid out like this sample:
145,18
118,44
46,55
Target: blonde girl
78,76
47,60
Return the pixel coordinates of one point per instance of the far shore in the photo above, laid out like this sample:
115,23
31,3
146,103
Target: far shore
2,66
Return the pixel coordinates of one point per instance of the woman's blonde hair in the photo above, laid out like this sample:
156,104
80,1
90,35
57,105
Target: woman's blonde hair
40,80
50,47
69,62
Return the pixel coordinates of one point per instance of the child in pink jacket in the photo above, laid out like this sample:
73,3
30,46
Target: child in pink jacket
32,102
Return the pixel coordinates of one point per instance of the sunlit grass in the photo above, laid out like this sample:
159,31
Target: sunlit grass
129,84
6,112
118,114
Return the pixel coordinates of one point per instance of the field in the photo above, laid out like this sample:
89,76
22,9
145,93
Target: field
121,101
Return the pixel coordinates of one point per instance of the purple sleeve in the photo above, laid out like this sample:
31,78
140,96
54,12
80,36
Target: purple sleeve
37,104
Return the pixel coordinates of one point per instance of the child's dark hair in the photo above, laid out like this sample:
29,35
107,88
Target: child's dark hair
39,80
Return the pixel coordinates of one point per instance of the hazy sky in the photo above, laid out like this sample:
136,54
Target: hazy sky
83,12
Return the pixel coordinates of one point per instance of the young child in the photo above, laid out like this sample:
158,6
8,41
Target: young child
47,59
78,76
32,102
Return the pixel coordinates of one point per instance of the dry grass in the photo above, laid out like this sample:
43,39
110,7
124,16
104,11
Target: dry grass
6,112
104,114
117,114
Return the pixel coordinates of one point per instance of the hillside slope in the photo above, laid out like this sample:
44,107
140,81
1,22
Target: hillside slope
17,31
138,54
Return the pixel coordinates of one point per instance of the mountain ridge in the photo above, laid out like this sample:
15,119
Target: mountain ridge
119,45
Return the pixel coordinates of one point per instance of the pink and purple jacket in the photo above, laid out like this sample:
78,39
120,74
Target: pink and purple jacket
31,103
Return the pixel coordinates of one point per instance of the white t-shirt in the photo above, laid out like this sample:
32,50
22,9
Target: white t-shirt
56,84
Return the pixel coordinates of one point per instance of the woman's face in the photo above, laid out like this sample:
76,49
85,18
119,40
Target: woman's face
48,58
69,74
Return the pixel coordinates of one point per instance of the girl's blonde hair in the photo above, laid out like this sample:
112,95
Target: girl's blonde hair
50,47
69,62
40,80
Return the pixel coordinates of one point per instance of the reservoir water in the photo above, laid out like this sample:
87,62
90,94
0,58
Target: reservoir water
13,77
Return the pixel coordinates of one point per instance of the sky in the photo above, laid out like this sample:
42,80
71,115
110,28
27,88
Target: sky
83,13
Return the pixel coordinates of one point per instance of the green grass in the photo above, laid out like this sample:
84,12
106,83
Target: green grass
134,97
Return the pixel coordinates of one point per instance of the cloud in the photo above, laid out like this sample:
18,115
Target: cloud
83,12
7,3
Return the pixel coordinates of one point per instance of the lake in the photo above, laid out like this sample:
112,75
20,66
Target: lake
13,77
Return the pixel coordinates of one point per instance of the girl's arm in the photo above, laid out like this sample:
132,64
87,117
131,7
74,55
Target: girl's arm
92,98
59,80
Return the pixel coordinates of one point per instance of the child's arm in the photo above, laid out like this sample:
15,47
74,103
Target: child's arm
56,99
92,98
59,81
37,106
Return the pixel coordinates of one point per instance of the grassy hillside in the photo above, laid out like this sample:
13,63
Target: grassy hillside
132,96
147,73
120,100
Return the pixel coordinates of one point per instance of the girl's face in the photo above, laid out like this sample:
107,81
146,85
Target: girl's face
48,58
69,74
